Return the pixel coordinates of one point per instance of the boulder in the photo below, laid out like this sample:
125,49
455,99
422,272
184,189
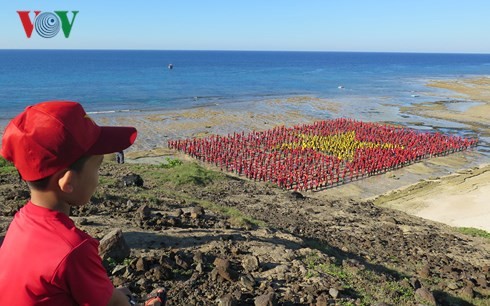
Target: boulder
250,263
132,180
224,269
114,246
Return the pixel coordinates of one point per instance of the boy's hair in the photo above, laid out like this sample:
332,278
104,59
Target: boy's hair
50,136
43,183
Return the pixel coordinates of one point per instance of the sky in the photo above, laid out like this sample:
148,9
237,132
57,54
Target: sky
446,26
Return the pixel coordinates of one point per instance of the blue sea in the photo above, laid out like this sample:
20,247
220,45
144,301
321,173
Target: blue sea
113,81
106,81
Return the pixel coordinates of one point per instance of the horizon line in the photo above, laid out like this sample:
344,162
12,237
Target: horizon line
237,50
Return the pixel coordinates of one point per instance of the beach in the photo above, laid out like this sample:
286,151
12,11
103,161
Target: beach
451,189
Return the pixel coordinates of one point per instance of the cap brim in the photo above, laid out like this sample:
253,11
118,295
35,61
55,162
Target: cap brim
113,139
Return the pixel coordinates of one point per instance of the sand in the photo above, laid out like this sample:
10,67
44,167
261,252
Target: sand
460,199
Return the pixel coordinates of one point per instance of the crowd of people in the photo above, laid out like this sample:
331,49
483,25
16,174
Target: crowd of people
320,155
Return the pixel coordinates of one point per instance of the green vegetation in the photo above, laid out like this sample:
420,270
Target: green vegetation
6,167
171,163
395,291
475,232
107,180
183,173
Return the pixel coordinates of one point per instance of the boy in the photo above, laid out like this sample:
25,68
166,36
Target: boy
44,258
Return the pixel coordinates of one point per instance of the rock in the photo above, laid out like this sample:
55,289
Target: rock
199,268
424,272
278,272
198,258
173,222
119,270
227,300
310,289
415,283
297,195
425,295
178,212
132,180
129,204
117,281
140,282
322,300
141,265
481,280
235,250
250,263
452,285
333,292
197,212
143,212
224,269
214,275
467,292
114,246
247,282
268,299
181,262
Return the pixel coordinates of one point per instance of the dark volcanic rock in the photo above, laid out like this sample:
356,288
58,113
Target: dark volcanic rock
132,180
297,195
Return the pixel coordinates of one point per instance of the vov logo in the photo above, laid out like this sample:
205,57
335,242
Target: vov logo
47,24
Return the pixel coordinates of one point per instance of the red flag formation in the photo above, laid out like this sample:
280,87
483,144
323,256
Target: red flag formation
322,154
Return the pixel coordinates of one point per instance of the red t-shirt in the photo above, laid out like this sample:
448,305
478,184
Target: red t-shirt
46,260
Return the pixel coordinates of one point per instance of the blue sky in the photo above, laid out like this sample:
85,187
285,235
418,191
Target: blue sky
308,25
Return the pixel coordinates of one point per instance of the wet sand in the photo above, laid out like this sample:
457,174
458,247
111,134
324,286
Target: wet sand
468,103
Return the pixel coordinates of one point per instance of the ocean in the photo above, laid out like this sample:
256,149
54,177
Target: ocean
116,81
111,81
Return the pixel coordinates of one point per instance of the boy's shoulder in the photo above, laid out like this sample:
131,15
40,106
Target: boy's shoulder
48,228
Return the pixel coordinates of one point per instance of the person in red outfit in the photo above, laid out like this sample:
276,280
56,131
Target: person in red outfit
44,258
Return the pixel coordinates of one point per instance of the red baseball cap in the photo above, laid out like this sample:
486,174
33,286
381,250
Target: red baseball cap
50,136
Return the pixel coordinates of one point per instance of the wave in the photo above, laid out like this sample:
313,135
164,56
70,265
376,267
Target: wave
109,111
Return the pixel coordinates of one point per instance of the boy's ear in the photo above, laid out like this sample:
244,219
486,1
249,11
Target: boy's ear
65,181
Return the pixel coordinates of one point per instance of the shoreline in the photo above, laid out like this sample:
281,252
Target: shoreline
204,121
458,199
156,127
